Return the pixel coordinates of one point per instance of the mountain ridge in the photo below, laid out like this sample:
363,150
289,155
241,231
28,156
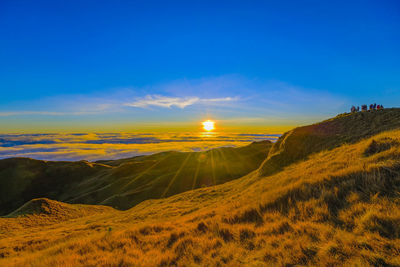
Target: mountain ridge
303,141
338,205
335,206
123,183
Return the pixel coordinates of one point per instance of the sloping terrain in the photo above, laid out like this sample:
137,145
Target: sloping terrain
43,207
300,142
337,207
124,183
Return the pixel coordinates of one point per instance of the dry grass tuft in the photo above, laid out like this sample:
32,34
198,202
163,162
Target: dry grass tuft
337,208
251,215
379,146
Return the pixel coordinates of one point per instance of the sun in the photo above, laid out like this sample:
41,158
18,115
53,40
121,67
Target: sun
208,125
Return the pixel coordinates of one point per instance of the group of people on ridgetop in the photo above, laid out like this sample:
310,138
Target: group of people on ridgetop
365,108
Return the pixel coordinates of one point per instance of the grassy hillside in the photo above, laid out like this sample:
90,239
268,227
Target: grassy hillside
43,208
124,183
299,143
338,207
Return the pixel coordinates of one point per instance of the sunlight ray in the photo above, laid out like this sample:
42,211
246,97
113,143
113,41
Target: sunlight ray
213,167
225,162
196,174
176,174
145,171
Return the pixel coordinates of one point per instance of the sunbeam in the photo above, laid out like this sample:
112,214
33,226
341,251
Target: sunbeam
213,167
196,174
225,162
146,171
176,174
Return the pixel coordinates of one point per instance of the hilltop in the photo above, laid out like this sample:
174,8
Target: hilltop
126,182
300,142
337,205
46,209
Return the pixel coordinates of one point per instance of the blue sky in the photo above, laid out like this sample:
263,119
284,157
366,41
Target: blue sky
122,65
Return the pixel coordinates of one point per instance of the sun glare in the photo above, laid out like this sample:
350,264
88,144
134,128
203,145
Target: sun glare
208,125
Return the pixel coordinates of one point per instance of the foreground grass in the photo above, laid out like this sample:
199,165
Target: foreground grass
338,208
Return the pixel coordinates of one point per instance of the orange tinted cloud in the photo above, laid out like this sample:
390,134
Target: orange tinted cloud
92,146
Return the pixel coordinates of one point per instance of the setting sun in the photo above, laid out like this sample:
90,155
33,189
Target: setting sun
208,125
196,133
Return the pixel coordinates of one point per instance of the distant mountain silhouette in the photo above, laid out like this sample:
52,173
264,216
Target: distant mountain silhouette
126,182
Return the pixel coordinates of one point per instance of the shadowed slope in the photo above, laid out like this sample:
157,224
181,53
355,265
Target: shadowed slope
124,183
338,208
299,143
22,179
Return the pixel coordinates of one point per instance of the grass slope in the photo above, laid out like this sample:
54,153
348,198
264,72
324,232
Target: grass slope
338,207
299,143
43,207
124,183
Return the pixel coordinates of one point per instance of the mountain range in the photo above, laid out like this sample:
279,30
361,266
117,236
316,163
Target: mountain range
325,194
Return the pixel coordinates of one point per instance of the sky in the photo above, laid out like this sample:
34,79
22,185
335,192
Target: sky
137,66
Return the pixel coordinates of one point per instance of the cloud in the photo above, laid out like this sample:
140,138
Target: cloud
231,100
180,102
96,146
222,99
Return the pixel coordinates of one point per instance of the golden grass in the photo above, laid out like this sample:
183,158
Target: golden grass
337,208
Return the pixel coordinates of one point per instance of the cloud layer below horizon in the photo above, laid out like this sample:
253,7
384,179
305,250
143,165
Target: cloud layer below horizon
98,146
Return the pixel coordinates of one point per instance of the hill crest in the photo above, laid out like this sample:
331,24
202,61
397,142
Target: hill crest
337,207
301,142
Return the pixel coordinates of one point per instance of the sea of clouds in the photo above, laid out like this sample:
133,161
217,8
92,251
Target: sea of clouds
98,146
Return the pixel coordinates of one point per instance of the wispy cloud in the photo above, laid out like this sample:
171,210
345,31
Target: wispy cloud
230,99
180,102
